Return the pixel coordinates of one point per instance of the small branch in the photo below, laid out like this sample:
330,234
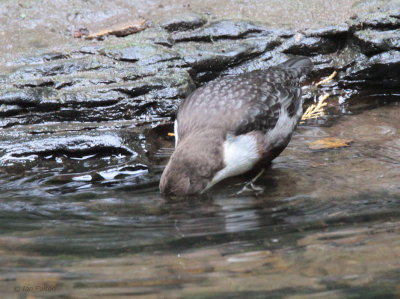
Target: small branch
317,110
327,79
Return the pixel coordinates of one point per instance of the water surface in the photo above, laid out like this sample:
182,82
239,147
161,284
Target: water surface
326,225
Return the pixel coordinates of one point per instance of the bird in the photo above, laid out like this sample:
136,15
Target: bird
232,125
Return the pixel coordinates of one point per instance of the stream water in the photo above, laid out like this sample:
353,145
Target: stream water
327,224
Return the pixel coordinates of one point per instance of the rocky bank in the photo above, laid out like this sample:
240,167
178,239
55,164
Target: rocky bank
107,97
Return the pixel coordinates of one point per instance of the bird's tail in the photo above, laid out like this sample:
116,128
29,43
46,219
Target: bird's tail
303,65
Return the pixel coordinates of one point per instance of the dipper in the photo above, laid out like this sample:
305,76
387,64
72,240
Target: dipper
232,125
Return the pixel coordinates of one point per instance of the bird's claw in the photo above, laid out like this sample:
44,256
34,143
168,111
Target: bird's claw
251,187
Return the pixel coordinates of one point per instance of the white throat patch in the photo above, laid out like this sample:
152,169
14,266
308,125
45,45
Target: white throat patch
176,132
240,155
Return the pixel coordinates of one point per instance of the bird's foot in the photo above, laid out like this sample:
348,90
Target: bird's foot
251,187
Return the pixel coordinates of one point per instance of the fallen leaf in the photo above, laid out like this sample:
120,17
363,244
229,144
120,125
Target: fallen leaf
328,143
120,29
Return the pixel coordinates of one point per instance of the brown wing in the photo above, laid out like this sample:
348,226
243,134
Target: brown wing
240,104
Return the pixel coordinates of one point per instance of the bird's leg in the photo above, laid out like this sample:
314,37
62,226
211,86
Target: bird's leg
249,186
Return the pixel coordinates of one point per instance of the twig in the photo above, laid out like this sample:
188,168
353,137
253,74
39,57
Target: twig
317,110
327,79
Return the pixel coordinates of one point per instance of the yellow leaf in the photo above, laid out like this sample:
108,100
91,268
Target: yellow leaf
328,143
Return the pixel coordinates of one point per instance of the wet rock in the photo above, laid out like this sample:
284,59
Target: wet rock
95,85
93,98
132,95
348,57
260,62
330,31
385,17
184,22
206,60
8,110
19,97
323,64
147,75
395,12
90,50
147,54
42,58
308,46
378,20
54,56
155,35
58,68
156,97
68,145
166,85
40,99
227,29
381,70
374,41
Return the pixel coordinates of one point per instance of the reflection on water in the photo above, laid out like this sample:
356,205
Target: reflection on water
327,225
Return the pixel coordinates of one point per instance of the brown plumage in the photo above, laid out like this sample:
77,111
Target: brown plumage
230,125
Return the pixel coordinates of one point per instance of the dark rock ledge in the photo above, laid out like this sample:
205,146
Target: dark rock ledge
145,77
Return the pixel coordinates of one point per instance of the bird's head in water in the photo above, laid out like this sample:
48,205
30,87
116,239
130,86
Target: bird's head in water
180,180
190,168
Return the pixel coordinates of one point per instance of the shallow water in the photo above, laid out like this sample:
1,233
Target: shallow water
327,224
